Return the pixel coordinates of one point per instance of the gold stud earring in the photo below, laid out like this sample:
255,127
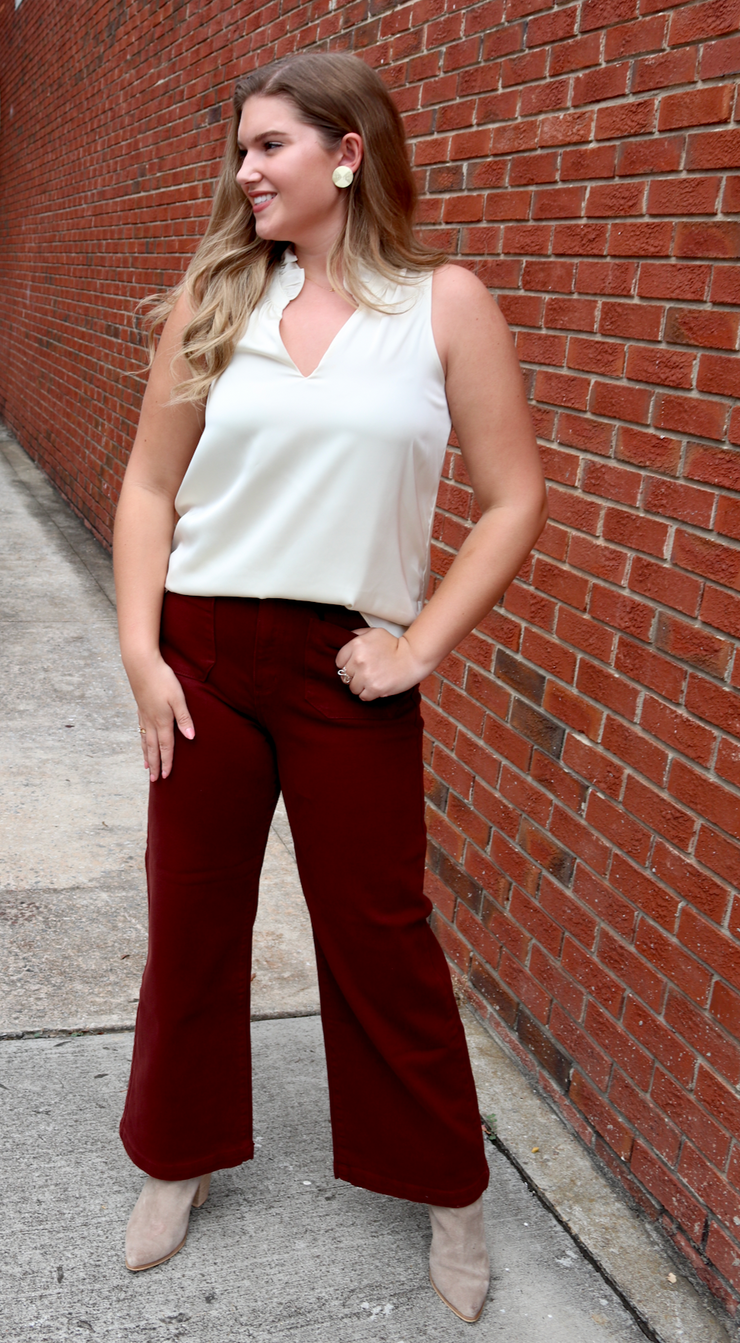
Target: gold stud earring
342,177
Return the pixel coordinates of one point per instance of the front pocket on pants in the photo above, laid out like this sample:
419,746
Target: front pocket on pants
187,634
326,692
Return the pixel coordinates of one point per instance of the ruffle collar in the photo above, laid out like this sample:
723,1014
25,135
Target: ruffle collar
289,277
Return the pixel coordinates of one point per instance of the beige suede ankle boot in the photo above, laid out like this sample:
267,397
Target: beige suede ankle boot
158,1225
459,1267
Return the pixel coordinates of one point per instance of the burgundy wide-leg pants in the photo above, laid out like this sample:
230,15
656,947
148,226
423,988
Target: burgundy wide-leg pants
271,713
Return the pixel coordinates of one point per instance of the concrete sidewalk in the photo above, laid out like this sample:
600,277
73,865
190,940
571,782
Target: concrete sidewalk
73,791
281,1250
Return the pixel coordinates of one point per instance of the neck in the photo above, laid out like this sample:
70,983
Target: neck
313,263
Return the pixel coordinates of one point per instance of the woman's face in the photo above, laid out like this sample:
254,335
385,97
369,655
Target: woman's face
286,173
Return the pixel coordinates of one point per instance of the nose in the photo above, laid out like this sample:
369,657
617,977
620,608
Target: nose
248,172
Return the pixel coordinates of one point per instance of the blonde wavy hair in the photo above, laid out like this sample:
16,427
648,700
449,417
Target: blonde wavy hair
232,266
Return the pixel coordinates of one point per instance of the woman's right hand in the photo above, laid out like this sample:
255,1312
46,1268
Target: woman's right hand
161,703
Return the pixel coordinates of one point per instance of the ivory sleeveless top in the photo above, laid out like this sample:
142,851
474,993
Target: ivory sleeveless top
320,488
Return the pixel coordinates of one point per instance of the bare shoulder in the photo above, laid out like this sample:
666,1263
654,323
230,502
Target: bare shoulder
179,318
463,312
453,282
168,366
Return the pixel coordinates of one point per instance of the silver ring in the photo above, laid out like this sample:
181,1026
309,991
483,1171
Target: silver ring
344,675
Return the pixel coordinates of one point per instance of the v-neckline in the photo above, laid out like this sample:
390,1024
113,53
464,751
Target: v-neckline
327,351
290,278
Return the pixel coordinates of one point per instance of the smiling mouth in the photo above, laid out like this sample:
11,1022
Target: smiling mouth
264,198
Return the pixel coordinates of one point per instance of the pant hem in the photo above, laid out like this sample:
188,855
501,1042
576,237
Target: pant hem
441,1198
188,1170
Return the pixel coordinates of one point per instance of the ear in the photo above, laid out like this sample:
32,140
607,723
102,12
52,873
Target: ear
351,151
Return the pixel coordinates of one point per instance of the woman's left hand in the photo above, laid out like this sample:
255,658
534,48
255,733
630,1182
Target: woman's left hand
379,664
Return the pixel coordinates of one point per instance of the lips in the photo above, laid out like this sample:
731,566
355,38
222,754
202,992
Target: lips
261,200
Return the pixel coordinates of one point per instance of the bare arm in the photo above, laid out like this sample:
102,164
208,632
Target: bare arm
489,412
145,521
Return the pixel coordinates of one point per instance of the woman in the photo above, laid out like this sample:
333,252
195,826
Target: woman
272,557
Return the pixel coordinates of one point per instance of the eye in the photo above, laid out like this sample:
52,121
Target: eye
241,154
272,144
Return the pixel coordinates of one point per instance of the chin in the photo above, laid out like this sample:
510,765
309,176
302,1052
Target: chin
270,232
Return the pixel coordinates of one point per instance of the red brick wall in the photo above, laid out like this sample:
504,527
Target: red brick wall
584,752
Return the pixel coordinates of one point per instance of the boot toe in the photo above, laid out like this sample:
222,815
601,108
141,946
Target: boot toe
464,1297
459,1266
158,1225
146,1250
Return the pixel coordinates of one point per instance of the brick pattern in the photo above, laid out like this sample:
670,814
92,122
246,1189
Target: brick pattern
583,747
